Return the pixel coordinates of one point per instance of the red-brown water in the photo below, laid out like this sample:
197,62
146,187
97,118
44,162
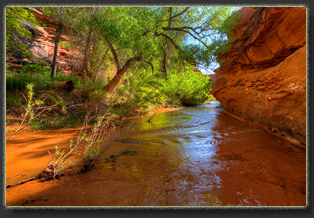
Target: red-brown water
195,156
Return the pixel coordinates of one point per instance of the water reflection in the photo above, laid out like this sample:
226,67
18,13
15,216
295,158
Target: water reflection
202,156
195,156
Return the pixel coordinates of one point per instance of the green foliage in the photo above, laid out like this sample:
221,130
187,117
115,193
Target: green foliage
187,87
65,45
29,115
31,103
190,87
89,84
212,98
145,30
29,109
57,121
14,99
30,73
35,68
19,81
39,74
171,41
94,140
16,17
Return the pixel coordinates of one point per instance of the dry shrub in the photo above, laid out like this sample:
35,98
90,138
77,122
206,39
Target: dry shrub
93,141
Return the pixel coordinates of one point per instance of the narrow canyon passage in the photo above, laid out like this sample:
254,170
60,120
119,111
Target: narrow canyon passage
195,156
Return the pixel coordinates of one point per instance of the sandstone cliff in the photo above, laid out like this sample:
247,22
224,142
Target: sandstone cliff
42,45
263,78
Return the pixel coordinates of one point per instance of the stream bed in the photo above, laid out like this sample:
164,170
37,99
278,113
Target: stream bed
194,156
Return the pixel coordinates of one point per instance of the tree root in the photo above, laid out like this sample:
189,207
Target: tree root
22,182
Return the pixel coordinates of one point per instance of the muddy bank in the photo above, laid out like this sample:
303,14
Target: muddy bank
27,153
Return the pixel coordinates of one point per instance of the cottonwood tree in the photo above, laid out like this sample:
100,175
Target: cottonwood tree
162,36
60,15
84,25
85,37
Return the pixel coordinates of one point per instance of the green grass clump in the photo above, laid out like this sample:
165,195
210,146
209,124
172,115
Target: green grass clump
39,75
57,121
14,99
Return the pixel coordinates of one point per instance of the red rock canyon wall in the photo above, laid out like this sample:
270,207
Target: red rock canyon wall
263,78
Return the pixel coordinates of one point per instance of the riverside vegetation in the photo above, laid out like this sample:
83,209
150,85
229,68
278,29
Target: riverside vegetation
132,60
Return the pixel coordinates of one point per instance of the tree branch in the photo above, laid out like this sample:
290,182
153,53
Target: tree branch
177,15
151,65
170,15
182,29
167,37
116,79
114,53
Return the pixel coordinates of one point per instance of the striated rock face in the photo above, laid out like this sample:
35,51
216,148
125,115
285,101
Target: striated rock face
263,79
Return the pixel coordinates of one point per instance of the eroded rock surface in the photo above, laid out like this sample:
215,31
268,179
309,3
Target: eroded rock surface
42,44
263,79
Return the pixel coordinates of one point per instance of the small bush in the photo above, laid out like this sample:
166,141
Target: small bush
93,144
190,87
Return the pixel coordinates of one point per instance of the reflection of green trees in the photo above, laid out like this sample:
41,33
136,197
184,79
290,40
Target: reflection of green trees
161,121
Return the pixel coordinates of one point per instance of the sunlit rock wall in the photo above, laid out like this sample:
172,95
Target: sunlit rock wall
263,78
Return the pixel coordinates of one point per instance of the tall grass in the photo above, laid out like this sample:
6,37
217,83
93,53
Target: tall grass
39,75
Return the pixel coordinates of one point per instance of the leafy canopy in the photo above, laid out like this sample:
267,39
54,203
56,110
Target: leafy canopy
190,35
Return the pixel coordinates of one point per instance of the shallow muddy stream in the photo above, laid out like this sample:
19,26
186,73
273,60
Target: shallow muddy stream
195,156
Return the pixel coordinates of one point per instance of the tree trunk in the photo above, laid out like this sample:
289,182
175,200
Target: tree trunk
86,53
162,66
57,39
113,52
116,79
99,65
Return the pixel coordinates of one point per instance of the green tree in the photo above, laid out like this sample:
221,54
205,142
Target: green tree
86,36
162,37
64,16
